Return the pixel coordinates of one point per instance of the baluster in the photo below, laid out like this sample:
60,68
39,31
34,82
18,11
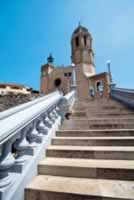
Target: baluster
47,121
57,110
58,113
52,116
40,126
33,135
55,113
6,162
22,146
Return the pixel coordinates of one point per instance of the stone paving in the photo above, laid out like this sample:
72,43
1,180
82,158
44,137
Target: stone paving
91,157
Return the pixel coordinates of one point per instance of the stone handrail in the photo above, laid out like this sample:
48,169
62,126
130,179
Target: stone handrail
125,96
26,131
16,109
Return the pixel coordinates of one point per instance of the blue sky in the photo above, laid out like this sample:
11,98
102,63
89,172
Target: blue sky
30,29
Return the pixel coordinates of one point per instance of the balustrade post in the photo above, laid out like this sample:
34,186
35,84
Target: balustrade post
47,121
6,162
22,146
33,135
55,111
52,116
40,126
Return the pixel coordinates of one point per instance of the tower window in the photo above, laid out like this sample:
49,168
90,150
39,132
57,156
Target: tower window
85,40
70,74
77,41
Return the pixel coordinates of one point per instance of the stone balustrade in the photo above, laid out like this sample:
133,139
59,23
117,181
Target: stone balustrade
26,131
126,96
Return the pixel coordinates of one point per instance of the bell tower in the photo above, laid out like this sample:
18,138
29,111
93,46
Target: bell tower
83,58
82,51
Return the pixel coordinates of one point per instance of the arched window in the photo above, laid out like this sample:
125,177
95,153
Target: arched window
77,41
99,87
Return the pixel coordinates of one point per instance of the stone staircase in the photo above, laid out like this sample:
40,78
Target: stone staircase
91,157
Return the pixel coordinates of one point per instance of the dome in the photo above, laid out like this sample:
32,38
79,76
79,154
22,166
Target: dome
50,59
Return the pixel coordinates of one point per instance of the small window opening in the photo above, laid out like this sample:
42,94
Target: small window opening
85,40
77,41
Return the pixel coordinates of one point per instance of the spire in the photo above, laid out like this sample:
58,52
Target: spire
79,23
50,59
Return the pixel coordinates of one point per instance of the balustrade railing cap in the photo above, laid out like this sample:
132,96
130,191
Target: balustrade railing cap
16,109
124,90
12,124
18,118
66,99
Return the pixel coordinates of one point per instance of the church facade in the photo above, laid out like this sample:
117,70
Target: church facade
88,83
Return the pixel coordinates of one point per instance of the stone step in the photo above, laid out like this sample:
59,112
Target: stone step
59,188
85,125
94,141
79,114
101,109
96,133
124,114
103,119
108,116
98,104
117,114
88,168
109,125
104,115
91,152
103,123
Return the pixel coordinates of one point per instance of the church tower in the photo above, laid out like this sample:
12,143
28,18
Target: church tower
83,58
82,52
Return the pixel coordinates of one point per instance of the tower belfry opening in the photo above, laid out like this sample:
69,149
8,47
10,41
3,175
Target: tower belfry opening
85,40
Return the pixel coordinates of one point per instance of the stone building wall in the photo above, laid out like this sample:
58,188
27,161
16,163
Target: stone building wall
61,75
103,79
